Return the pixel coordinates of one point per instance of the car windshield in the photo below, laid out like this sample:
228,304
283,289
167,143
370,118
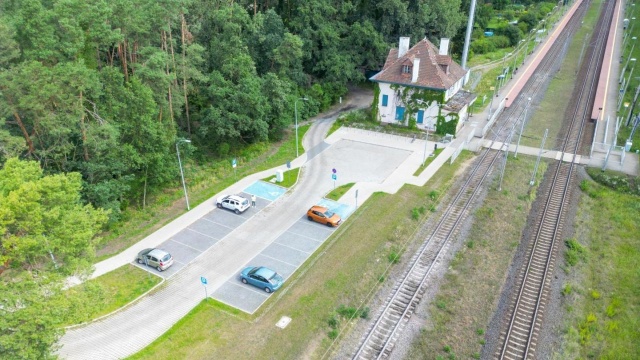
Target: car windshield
275,279
166,257
328,213
245,202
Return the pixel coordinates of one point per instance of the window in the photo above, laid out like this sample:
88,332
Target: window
400,113
406,69
385,100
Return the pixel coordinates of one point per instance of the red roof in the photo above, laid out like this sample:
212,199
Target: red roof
432,72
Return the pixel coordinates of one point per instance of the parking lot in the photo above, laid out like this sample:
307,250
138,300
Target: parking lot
187,244
286,254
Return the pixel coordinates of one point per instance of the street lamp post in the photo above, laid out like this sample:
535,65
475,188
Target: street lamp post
295,106
184,186
624,88
515,58
534,35
624,68
524,119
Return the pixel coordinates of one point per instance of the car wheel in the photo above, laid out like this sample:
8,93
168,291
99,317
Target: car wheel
236,211
329,224
310,218
267,290
219,206
244,281
140,261
159,268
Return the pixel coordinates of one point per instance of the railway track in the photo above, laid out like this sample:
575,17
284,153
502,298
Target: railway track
520,336
380,339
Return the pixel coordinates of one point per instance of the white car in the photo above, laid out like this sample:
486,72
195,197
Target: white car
235,203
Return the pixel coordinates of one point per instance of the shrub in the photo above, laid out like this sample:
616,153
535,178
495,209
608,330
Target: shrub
333,322
347,312
394,256
574,252
364,314
333,334
567,289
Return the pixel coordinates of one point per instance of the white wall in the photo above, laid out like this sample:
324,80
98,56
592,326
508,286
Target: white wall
387,114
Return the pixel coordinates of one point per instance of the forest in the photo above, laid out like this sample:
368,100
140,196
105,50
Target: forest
95,94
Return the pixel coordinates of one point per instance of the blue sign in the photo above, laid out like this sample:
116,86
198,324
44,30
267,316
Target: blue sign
234,163
334,176
203,280
334,171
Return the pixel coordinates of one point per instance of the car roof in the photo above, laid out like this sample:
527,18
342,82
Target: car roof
235,197
158,253
265,272
319,208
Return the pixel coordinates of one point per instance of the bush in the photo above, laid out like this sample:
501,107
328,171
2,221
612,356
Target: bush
575,251
333,322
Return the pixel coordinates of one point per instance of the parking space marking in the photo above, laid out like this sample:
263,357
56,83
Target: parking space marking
217,223
305,236
314,224
292,248
250,288
278,260
181,243
198,232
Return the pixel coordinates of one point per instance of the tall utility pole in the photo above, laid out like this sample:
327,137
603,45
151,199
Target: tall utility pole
633,104
184,185
467,36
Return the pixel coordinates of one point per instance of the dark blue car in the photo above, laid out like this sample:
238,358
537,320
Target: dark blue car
262,277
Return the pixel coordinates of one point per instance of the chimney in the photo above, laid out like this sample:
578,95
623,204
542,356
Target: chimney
403,47
416,68
444,47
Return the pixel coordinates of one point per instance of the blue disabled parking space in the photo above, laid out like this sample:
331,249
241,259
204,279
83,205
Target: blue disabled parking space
265,190
343,210
285,255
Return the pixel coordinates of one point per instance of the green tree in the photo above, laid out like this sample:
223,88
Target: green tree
46,234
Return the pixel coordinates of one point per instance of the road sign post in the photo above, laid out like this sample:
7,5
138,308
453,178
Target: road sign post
334,176
234,164
356,198
203,280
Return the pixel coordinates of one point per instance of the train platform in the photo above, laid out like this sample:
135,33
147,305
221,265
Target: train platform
606,153
603,154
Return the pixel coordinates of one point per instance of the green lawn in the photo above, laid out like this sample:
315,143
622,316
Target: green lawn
289,178
428,161
338,279
602,293
106,293
337,193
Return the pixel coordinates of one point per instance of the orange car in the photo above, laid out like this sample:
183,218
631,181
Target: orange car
323,216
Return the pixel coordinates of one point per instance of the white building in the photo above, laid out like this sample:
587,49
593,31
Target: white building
422,86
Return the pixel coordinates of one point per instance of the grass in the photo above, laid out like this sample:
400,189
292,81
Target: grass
316,293
204,180
428,161
602,293
107,293
289,178
470,290
337,193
